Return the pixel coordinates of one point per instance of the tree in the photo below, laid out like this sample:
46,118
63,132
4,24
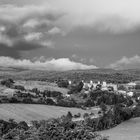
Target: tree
103,108
80,86
8,83
137,87
50,101
86,115
69,115
121,87
19,87
13,100
27,100
23,125
63,83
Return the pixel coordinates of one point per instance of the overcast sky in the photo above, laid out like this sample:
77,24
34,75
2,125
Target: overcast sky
70,34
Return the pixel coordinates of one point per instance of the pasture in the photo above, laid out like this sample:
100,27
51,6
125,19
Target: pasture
129,130
28,112
40,85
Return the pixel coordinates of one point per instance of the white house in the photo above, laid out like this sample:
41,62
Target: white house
122,92
130,94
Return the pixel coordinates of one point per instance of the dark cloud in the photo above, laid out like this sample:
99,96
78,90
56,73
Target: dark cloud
13,31
24,46
6,51
19,47
28,26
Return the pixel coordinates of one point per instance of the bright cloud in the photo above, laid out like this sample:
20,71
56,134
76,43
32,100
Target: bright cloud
114,16
54,30
27,23
33,36
61,64
127,63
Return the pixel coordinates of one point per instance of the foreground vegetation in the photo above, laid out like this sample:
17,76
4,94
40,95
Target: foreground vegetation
64,128
114,109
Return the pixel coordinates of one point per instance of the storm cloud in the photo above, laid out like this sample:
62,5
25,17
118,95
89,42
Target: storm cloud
35,25
61,64
41,22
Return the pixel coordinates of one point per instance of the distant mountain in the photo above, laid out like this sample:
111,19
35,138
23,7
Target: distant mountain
109,75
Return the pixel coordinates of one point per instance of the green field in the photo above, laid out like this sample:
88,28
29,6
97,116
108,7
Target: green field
28,112
129,130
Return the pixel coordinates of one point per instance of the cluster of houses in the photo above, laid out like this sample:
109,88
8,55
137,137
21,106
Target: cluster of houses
102,85
126,89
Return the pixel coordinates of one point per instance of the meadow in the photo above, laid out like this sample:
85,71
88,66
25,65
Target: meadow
28,112
128,130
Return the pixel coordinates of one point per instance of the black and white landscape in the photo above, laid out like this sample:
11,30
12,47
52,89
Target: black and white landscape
69,69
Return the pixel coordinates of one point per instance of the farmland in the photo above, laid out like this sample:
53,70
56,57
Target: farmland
28,112
128,130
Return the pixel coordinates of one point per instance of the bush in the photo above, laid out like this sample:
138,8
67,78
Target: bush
63,83
8,83
137,87
50,101
86,115
13,100
23,125
67,103
69,115
136,111
27,100
77,115
121,87
19,87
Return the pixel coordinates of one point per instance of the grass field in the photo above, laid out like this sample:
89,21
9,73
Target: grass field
129,130
40,85
28,112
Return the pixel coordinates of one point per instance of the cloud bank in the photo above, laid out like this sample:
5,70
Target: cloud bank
110,15
30,26
127,63
40,22
61,64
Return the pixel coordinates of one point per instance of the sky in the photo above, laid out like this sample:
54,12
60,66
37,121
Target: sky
70,34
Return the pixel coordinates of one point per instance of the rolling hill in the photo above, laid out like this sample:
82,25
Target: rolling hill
128,130
28,112
110,75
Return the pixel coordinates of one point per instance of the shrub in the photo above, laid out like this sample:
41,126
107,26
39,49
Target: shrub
19,87
27,100
13,100
77,115
23,125
8,83
50,101
63,83
137,87
86,115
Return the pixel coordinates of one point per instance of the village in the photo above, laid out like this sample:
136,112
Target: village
127,89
